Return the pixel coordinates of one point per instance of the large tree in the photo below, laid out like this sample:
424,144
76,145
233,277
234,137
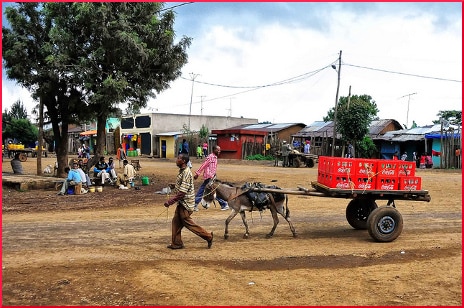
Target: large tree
116,53
354,117
80,60
26,49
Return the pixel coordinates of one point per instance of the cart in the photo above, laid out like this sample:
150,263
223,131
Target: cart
384,223
298,159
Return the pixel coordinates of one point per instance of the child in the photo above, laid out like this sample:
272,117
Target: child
199,152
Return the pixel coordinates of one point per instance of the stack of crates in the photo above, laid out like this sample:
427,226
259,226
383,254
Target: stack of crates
367,174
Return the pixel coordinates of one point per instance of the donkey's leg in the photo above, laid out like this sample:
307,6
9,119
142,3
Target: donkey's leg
247,231
275,219
231,216
286,216
285,212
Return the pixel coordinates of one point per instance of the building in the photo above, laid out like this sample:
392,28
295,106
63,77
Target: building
320,134
245,140
153,134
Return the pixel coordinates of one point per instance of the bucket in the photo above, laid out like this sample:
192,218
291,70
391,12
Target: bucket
145,180
92,189
71,191
99,189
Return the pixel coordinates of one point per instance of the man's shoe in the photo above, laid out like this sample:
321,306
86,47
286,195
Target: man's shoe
225,208
195,209
60,194
210,242
175,247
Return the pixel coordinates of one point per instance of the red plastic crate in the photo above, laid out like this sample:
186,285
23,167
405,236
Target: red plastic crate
387,167
364,183
406,168
321,177
387,183
339,181
323,164
410,183
365,167
341,166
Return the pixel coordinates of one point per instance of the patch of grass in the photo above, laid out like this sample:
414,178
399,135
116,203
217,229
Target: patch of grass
259,157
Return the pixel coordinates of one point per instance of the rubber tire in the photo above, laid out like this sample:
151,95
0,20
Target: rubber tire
358,211
296,162
309,163
23,157
385,224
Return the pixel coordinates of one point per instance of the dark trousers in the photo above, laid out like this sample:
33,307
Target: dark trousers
182,219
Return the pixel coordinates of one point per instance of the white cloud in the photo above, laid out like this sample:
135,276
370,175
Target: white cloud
245,47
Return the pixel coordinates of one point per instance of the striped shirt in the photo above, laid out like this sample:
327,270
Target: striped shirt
184,183
208,167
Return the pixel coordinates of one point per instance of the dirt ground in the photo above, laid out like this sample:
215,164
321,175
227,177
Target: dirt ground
109,248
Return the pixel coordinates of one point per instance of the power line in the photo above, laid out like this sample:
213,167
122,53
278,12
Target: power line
400,73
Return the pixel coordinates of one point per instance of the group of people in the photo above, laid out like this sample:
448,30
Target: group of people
103,170
83,151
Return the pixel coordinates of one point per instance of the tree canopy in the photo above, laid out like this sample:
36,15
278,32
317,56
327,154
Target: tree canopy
83,59
452,116
354,116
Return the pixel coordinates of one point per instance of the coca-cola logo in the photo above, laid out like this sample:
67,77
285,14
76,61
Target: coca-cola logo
342,185
387,187
343,170
365,186
410,187
388,172
404,172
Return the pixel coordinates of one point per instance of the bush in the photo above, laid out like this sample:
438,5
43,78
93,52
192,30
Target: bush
259,157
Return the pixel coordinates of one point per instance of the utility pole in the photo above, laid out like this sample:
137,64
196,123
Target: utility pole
407,113
230,106
193,76
336,103
201,104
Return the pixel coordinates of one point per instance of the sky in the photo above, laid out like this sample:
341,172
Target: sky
272,61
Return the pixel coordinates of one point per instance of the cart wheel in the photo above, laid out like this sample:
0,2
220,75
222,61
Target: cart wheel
310,163
385,224
296,162
358,211
22,157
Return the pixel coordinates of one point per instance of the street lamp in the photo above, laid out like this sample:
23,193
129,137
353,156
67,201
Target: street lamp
336,102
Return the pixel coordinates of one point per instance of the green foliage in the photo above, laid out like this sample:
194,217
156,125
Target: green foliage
452,116
365,148
259,157
18,111
22,130
84,59
354,117
204,132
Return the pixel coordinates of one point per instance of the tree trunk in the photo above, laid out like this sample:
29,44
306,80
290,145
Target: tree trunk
40,140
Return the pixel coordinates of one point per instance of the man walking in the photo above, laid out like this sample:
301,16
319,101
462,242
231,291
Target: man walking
208,168
185,197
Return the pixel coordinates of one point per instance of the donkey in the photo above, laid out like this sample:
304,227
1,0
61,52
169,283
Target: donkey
239,203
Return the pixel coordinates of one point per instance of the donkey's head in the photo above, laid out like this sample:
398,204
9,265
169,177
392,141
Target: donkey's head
209,194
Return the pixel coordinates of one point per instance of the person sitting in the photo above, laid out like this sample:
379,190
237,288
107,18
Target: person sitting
73,179
111,171
101,170
16,165
84,176
128,174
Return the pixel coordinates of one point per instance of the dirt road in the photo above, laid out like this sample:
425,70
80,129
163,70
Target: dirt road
109,248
